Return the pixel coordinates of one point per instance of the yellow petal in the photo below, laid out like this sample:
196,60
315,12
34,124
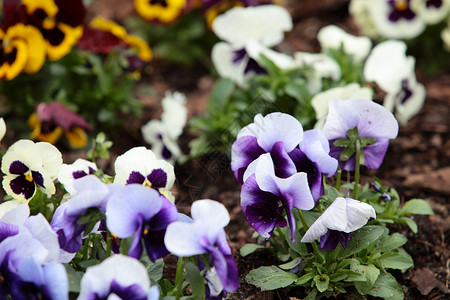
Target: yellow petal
77,137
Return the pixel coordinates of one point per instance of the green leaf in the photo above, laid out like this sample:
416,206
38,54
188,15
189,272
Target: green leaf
270,278
322,282
196,280
74,278
165,286
298,247
409,222
248,249
352,276
387,287
370,272
342,143
346,154
391,242
154,269
292,264
401,260
305,278
363,238
221,93
416,207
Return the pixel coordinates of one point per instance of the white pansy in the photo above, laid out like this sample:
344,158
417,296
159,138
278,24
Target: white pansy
388,65
256,49
360,12
395,19
321,66
431,12
344,214
79,168
351,91
333,37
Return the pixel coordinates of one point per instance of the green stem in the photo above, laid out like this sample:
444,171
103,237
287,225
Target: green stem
108,243
313,244
338,179
357,167
179,278
85,249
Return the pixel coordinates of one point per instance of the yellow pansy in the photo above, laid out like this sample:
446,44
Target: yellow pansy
161,10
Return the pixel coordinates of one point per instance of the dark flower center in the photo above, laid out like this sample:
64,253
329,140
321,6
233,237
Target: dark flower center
252,65
435,3
163,3
400,9
9,58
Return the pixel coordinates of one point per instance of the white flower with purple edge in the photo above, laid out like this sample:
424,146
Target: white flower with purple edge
333,37
264,24
205,235
144,213
372,121
338,221
117,277
79,168
29,166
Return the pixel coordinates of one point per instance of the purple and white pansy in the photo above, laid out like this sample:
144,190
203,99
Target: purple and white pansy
117,277
206,236
263,24
393,71
79,168
30,166
144,213
140,165
371,120
337,223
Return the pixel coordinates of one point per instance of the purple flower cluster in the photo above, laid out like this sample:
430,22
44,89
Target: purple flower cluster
279,167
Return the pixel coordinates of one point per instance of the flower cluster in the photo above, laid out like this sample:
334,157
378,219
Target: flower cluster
32,31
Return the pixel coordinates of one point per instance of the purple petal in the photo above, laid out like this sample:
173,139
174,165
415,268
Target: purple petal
18,168
316,147
79,174
154,244
7,230
330,240
136,177
158,178
284,166
133,291
261,209
20,185
374,154
243,152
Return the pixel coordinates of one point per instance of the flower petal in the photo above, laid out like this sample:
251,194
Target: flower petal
358,213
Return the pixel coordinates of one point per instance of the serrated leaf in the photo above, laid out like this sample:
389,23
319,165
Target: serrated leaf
154,269
248,249
400,261
416,207
270,278
387,287
391,242
196,280
362,238
370,272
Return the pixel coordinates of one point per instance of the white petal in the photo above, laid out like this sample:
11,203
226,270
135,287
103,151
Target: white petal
358,213
412,106
2,128
222,55
51,158
14,212
334,218
41,230
65,174
174,114
265,23
210,211
431,14
182,239
256,49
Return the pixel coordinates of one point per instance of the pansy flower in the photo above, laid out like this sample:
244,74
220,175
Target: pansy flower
263,24
396,19
337,223
59,21
29,166
140,165
392,70
117,277
52,120
144,213
164,11
22,48
371,121
276,133
79,168
431,11
206,236
24,274
265,196
111,35
91,198
163,134
333,37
